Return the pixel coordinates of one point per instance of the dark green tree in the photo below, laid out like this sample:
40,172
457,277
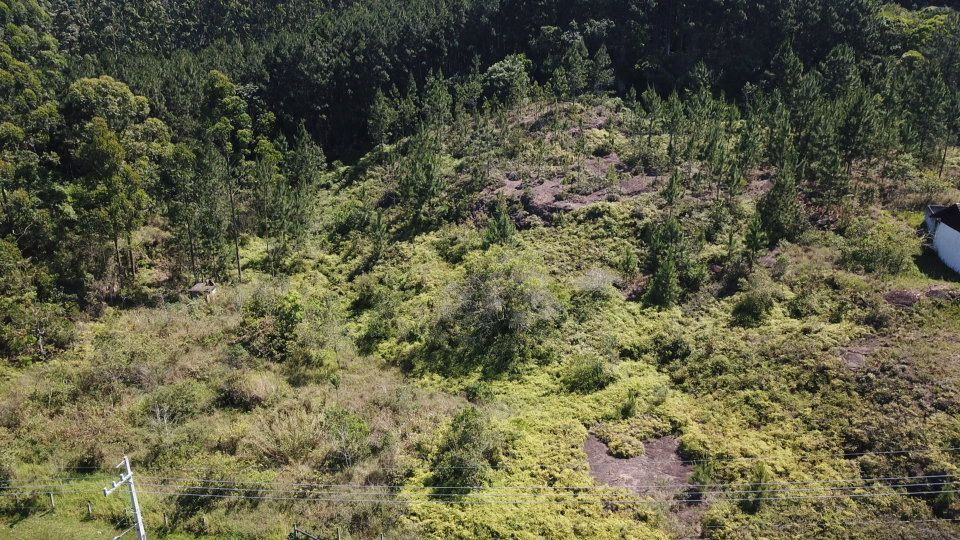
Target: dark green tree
780,210
664,289
383,118
601,70
500,227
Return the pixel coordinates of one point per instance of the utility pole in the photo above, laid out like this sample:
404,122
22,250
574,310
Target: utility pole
127,478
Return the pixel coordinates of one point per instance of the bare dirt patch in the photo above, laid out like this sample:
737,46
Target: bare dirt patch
855,356
945,293
902,298
660,473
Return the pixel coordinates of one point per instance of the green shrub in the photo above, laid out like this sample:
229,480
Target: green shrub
671,347
630,406
497,315
466,455
177,402
312,366
701,479
588,373
809,303
755,302
500,227
479,392
269,326
349,436
251,389
880,246
759,487
454,243
628,263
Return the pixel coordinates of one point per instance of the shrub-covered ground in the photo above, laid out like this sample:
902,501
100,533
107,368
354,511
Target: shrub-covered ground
474,302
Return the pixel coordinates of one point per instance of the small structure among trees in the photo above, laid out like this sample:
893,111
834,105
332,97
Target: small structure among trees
943,225
204,289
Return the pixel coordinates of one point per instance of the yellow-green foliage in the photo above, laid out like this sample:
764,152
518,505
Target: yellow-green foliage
351,370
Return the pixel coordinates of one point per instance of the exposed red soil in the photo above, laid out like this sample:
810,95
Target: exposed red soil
858,353
905,298
551,195
944,293
902,298
660,473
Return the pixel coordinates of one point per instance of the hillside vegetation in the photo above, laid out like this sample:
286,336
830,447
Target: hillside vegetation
484,270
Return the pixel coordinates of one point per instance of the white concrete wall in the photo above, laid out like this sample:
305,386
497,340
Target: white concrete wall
947,244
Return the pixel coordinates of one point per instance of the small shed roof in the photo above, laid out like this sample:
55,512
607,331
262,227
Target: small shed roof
204,287
949,216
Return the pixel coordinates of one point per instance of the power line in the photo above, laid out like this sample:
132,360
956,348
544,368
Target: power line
250,486
537,492
572,488
520,499
846,455
847,523
468,499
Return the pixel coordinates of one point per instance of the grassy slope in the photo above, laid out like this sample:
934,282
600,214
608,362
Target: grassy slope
778,392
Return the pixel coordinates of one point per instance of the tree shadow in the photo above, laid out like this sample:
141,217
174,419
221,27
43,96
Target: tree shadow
930,265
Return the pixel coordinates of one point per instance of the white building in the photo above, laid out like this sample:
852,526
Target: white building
943,224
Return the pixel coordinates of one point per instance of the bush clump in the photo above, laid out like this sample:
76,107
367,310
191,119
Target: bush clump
248,390
270,324
177,402
467,454
588,373
879,246
497,315
756,301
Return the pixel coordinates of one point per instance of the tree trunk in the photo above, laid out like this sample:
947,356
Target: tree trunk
132,262
193,254
236,234
270,259
119,258
943,160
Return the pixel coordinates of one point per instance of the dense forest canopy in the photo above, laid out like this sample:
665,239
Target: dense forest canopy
322,62
520,220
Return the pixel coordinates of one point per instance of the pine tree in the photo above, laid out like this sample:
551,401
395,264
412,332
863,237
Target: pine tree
755,241
819,157
859,127
780,211
926,106
470,91
653,109
437,101
602,72
576,64
672,193
500,227
664,288
789,74
408,109
383,118
674,123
